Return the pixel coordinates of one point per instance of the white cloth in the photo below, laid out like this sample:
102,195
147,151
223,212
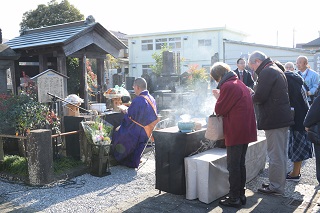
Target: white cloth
207,174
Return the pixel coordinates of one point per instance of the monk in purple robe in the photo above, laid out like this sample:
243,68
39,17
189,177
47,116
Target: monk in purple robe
139,120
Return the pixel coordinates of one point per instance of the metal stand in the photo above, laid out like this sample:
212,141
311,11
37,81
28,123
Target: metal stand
57,141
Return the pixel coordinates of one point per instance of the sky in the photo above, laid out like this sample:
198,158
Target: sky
273,22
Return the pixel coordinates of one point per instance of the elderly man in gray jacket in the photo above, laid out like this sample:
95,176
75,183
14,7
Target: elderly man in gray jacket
275,117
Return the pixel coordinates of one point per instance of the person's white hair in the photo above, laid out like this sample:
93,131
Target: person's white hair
289,64
257,55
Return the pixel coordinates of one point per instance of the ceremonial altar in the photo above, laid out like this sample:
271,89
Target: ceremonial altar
207,177
171,147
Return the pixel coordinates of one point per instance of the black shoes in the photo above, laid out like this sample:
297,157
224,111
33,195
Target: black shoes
268,191
232,202
243,199
293,178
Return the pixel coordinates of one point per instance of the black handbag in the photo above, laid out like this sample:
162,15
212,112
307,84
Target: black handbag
313,134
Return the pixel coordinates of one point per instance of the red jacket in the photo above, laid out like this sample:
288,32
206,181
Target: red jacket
236,106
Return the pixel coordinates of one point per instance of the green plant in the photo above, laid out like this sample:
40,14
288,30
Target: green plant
196,75
157,56
64,164
21,113
14,164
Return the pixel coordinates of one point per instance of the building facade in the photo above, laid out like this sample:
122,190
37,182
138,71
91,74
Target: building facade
202,47
190,47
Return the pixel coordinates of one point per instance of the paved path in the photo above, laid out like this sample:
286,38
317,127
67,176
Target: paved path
299,197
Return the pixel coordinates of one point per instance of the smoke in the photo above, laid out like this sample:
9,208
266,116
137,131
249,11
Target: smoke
194,105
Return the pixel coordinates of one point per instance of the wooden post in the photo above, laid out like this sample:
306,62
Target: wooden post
40,157
1,150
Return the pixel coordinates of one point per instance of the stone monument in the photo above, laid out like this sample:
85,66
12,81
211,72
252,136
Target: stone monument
7,58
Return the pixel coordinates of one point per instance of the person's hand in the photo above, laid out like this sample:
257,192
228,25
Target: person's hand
216,93
308,93
250,90
124,111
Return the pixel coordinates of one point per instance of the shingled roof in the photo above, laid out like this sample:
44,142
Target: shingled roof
65,34
313,43
6,53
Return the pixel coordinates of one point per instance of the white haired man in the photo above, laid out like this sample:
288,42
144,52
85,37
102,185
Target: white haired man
274,117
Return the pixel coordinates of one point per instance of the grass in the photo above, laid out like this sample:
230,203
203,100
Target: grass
16,165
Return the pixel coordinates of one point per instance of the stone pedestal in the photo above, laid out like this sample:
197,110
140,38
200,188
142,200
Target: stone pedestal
40,157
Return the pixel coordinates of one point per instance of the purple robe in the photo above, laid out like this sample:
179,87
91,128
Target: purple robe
129,141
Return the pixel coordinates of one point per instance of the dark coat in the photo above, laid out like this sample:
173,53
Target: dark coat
236,107
313,115
271,97
295,82
247,78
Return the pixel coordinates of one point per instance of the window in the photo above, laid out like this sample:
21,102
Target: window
160,42
147,44
175,43
204,42
146,68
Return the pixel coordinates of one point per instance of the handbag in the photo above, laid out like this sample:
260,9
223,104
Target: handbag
313,134
214,130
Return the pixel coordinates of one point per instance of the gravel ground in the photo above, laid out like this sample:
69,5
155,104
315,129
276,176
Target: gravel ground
84,193
87,193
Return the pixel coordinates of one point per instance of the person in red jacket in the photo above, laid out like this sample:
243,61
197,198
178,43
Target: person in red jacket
235,104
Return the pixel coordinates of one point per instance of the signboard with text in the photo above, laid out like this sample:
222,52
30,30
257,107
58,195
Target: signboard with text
50,82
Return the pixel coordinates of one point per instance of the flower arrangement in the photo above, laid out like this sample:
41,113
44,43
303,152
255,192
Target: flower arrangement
98,132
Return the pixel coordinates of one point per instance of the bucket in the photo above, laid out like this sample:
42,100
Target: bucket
72,110
99,107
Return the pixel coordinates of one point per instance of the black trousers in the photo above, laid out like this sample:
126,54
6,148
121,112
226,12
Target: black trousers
236,159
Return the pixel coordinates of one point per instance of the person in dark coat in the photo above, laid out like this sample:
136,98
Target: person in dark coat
313,117
234,103
275,117
299,148
243,74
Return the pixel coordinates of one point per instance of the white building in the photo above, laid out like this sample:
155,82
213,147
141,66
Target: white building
202,47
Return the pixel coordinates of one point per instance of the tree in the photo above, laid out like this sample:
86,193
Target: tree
157,56
51,14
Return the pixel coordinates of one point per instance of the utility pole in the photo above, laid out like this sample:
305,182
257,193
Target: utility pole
293,34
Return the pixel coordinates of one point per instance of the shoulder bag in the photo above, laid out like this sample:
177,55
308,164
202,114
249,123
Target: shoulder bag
214,130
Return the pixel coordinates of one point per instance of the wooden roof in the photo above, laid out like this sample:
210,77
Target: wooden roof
71,37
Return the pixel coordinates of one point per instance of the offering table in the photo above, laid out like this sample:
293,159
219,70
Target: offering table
171,147
207,177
